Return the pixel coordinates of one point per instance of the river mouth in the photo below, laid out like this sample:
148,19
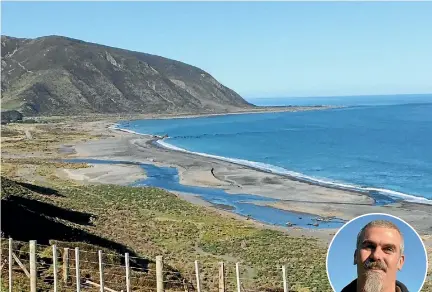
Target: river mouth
242,204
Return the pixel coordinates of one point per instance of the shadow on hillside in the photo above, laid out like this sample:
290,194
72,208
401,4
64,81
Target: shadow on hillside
40,190
24,218
34,207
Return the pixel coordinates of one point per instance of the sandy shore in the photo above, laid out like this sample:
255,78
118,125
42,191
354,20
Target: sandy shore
100,174
233,178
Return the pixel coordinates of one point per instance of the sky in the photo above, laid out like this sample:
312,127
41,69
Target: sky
258,49
342,271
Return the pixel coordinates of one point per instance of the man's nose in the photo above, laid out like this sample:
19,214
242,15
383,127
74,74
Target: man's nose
377,254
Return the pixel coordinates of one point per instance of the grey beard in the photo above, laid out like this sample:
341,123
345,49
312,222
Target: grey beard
373,282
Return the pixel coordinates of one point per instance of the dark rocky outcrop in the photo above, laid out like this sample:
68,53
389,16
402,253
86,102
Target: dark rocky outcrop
56,75
10,116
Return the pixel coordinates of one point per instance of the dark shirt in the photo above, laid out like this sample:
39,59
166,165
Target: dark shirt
352,287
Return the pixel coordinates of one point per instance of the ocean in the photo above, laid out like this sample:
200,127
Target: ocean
377,144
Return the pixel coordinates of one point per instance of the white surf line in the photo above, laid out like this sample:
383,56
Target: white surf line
283,171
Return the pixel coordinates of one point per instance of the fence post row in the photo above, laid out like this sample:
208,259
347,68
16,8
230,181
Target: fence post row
159,271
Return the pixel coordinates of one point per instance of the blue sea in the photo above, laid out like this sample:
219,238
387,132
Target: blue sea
378,144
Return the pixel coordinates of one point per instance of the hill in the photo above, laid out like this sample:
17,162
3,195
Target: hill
56,75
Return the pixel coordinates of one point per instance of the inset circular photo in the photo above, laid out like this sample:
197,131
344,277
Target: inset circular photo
374,253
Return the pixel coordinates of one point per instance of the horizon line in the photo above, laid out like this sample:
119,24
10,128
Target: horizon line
350,95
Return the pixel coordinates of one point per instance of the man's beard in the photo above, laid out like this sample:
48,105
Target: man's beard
373,282
373,278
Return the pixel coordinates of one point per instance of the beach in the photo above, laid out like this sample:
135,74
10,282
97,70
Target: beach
97,173
201,171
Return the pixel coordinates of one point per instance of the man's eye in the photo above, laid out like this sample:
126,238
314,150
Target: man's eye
389,249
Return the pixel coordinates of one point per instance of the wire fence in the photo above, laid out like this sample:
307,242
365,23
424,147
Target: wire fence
28,266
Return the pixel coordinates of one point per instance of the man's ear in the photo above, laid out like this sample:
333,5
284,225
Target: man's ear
401,262
355,257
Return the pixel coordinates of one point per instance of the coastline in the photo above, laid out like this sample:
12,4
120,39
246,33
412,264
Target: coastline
378,195
195,170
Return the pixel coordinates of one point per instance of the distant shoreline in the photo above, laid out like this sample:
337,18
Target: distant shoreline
259,110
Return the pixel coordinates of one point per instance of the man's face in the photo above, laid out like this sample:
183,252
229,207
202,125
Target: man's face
379,255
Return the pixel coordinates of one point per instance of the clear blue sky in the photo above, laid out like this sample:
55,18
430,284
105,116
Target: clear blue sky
340,258
258,49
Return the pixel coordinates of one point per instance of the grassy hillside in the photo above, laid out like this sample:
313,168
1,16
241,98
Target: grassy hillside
151,222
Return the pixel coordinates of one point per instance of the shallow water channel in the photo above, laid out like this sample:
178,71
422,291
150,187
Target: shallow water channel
243,204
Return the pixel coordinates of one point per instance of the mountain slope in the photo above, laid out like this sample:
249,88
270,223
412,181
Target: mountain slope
59,75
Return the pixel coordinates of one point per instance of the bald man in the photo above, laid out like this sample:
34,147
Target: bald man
379,256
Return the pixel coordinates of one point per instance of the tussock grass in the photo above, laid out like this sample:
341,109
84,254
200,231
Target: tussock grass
155,222
46,138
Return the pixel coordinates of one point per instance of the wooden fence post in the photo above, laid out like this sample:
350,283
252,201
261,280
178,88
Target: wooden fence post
10,264
238,277
159,274
221,277
33,275
285,279
284,275
66,265
197,273
128,285
55,268
101,277
78,277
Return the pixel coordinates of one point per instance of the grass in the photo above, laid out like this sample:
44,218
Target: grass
46,138
11,104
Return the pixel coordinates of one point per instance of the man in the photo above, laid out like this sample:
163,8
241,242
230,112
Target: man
378,256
